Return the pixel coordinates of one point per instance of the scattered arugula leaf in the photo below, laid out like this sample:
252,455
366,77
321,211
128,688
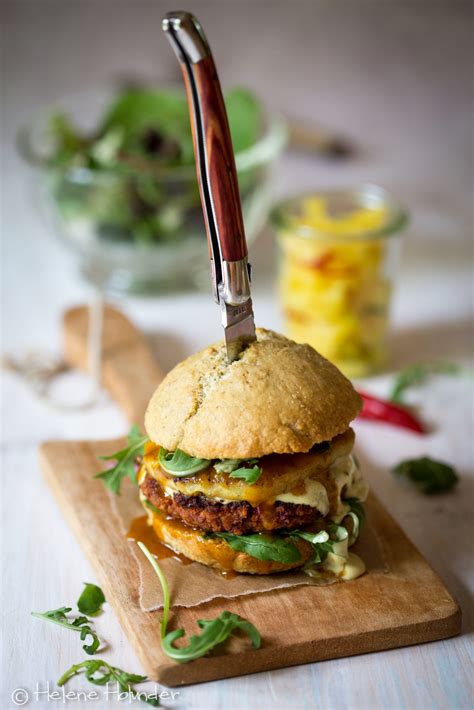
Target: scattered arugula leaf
91,600
262,546
80,624
428,475
99,672
240,468
229,465
164,587
125,459
249,475
416,375
179,464
215,631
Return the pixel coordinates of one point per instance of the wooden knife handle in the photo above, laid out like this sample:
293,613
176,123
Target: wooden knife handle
217,176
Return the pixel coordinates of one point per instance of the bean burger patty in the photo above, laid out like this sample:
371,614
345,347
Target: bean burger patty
238,517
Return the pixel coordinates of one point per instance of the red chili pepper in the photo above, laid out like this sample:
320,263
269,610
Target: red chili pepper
383,411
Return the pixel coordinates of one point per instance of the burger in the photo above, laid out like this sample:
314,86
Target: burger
249,466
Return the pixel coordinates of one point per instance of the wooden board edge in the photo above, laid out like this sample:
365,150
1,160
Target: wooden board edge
212,667
204,670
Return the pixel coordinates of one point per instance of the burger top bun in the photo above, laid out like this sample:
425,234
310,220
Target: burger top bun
278,397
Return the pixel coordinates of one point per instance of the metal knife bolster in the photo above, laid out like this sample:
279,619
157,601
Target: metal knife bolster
236,306
234,288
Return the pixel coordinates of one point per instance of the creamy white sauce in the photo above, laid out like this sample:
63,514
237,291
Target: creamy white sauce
314,495
341,563
336,559
353,568
349,482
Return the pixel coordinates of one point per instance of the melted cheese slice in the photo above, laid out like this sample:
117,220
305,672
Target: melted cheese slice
320,479
282,474
325,490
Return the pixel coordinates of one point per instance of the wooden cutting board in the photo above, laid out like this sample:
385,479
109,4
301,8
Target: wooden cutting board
404,604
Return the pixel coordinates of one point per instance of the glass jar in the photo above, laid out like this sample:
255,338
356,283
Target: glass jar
338,255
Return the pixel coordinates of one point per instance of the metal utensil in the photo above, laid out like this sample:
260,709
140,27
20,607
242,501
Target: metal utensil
217,177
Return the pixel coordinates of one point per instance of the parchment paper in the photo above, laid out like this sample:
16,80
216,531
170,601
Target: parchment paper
194,584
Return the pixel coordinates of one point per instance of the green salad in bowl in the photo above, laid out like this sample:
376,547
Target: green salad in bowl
123,190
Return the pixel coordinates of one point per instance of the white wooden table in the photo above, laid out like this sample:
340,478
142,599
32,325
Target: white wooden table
394,76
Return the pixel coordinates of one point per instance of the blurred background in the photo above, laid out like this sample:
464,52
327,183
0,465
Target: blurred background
377,92
356,92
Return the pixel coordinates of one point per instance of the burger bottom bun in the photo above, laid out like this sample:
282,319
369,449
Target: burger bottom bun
217,553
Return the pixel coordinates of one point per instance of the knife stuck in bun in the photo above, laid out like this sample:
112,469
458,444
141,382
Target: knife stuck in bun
249,466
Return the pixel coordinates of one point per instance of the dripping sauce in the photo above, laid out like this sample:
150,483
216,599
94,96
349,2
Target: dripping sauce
140,531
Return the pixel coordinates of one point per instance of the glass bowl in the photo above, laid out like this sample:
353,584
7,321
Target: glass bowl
94,211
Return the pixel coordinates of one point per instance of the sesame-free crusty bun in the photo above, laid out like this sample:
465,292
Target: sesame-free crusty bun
277,397
216,553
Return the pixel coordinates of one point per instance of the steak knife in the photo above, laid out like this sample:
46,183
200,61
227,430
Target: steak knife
217,177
